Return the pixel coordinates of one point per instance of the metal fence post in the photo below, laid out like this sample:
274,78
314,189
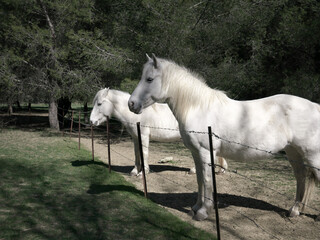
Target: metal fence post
142,161
92,142
215,198
79,128
108,138
71,125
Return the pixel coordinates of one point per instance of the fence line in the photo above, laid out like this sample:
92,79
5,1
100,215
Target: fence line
276,155
232,171
192,190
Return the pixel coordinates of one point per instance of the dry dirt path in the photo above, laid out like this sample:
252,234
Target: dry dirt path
247,209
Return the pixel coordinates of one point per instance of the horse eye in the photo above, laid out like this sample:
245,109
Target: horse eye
149,79
99,104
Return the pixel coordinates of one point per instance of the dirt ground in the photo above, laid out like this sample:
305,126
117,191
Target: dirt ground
253,201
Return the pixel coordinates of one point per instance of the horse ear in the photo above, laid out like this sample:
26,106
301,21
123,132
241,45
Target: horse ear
149,58
105,92
155,61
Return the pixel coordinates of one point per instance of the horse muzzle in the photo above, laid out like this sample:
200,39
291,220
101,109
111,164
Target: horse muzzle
134,107
94,123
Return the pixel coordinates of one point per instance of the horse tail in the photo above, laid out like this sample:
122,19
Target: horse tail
310,183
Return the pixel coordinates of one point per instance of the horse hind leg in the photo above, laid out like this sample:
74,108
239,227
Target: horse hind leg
304,178
222,165
313,167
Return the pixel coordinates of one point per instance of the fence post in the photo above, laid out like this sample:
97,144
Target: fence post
215,198
71,126
62,122
79,128
108,138
92,142
142,161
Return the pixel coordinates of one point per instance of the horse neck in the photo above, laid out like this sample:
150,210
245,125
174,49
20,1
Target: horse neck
120,103
185,92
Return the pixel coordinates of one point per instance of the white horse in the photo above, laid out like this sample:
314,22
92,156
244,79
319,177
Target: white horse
157,123
272,124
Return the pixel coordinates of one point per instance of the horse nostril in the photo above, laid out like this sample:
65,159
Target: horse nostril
131,104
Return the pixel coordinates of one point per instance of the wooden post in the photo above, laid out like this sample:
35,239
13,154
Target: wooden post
92,142
79,128
71,126
215,198
108,139
62,122
142,161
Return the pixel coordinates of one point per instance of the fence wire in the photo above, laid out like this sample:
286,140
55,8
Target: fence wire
233,171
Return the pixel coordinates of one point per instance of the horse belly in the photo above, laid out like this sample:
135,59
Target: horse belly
254,143
244,154
164,135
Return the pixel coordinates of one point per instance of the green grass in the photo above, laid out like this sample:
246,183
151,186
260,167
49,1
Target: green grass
51,190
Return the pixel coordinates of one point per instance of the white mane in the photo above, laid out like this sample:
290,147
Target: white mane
187,90
106,92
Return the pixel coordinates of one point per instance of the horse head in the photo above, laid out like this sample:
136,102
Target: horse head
102,107
148,90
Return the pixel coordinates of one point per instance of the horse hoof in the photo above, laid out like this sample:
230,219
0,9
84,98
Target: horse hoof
294,213
191,213
221,171
133,173
200,215
192,171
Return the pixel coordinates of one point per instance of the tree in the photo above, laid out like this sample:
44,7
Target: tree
48,37
68,49
259,48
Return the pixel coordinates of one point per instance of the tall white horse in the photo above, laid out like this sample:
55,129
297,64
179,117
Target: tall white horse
157,123
280,122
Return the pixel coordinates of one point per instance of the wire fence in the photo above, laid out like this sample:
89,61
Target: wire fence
235,172
272,154
76,125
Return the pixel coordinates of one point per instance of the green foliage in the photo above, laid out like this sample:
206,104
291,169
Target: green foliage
128,85
248,48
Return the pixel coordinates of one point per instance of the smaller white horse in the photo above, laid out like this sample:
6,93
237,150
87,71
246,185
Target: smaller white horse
157,123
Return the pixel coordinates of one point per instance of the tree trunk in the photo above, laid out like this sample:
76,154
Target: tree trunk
18,105
53,106
64,105
10,109
53,114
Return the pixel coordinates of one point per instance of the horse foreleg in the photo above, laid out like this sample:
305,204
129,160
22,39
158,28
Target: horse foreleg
145,150
137,167
136,171
198,171
205,180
